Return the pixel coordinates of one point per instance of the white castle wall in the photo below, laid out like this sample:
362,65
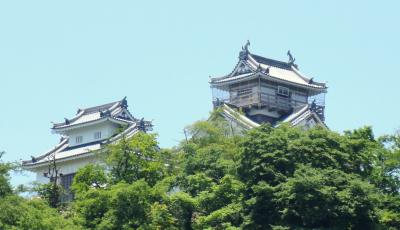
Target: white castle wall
66,167
107,130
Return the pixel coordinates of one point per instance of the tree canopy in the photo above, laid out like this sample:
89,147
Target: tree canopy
222,178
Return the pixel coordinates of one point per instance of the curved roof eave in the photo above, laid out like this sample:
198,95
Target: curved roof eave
130,131
267,77
100,120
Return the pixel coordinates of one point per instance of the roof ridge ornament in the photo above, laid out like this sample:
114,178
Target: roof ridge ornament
259,68
246,46
106,113
266,71
291,59
245,51
313,106
142,125
124,103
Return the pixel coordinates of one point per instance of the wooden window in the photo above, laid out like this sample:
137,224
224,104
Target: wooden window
66,182
78,139
244,91
97,135
283,91
299,96
268,90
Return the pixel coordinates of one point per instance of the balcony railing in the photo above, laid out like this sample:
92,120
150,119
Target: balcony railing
263,99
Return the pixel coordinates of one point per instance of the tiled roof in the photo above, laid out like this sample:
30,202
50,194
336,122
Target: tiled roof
270,62
241,119
67,153
107,106
295,118
269,69
63,152
88,115
116,112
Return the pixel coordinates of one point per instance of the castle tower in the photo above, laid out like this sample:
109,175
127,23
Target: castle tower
270,91
81,136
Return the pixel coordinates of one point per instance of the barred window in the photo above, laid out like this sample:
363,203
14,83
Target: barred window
66,182
244,91
283,91
97,135
78,139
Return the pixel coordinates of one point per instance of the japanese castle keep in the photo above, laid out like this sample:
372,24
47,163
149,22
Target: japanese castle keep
88,131
262,90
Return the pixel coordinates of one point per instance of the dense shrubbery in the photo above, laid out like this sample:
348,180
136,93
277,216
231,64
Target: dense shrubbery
267,178
19,213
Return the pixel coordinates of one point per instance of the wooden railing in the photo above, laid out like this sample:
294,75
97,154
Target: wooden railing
264,99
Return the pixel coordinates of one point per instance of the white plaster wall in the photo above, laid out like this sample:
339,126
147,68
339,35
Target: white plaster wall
67,167
107,129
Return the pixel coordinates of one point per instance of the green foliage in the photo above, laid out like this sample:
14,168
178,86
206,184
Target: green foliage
123,206
389,214
5,187
312,179
182,207
136,158
220,207
90,176
220,178
210,150
227,191
161,218
194,184
91,206
327,198
129,206
50,192
18,213
387,170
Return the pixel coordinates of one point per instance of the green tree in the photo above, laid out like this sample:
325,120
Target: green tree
222,178
161,218
312,179
182,206
90,176
136,158
387,169
91,206
220,207
326,198
18,213
122,206
50,192
5,187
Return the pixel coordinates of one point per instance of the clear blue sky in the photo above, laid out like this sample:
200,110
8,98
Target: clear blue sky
56,56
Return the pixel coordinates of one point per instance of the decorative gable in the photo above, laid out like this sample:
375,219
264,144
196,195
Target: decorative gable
241,68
